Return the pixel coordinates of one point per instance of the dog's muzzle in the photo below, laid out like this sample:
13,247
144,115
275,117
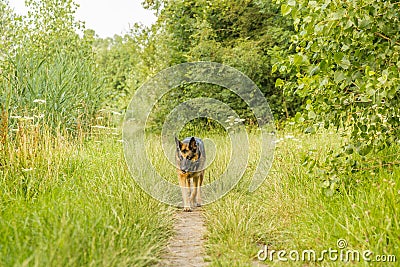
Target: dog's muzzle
188,166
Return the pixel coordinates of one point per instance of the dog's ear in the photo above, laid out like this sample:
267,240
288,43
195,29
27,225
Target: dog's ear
178,143
192,143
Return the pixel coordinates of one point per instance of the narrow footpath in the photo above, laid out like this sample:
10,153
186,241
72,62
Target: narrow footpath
186,247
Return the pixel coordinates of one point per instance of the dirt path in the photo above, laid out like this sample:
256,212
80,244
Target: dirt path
186,247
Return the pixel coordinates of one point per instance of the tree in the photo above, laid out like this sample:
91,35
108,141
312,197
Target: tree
243,34
47,61
345,64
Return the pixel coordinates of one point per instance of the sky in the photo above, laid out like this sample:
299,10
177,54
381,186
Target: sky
106,17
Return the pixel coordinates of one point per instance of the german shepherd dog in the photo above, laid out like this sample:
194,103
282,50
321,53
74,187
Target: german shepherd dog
190,158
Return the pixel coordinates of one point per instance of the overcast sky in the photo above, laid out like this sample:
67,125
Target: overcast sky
106,17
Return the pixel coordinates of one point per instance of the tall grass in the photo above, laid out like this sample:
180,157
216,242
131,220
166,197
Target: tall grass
61,89
66,197
291,212
70,203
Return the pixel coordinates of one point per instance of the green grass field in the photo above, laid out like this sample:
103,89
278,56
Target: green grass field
65,203
73,203
67,197
290,212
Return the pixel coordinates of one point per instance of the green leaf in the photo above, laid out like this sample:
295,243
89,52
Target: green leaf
297,60
392,92
364,99
382,79
344,63
338,57
363,128
339,76
313,70
312,115
310,130
349,150
364,150
370,91
298,118
364,23
274,68
286,9
279,82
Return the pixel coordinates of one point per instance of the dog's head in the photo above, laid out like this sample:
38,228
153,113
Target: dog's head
187,154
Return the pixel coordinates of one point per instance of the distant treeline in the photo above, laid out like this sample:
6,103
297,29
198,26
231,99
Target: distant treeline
318,63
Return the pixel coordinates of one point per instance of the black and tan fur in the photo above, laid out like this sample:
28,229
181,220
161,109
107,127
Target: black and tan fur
190,157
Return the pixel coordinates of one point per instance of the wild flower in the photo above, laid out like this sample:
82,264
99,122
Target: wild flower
28,118
237,120
39,101
116,113
99,127
40,116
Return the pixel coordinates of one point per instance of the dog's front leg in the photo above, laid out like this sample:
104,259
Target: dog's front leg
185,188
195,197
198,194
194,191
